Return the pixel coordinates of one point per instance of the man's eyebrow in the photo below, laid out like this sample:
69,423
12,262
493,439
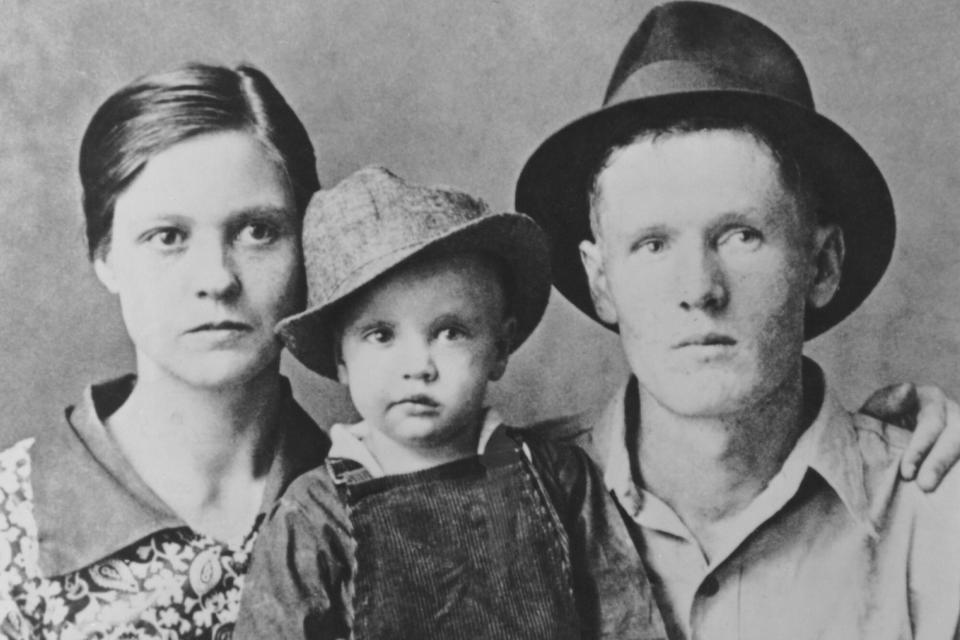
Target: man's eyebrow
747,215
660,229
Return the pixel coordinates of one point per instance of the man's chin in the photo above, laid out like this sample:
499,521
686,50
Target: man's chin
708,395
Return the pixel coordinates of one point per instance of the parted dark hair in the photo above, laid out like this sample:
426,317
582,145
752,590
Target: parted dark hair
157,111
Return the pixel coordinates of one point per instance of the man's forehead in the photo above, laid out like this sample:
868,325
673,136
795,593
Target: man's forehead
656,179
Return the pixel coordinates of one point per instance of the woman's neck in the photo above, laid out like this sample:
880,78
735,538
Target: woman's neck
204,451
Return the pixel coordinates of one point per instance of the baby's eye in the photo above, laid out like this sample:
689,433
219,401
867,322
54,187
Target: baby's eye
258,233
165,238
378,336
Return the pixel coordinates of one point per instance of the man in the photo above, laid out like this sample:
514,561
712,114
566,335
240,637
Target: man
721,221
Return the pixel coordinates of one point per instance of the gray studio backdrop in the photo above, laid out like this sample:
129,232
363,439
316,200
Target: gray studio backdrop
457,93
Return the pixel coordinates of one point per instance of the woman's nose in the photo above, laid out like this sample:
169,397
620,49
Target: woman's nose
212,271
701,282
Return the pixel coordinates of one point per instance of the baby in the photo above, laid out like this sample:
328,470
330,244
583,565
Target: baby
431,519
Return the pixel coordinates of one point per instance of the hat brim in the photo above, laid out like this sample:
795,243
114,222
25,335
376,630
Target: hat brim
514,238
554,185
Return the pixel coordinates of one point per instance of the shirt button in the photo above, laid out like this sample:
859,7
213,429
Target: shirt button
710,587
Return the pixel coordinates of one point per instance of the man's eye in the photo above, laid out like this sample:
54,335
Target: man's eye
258,233
166,238
744,237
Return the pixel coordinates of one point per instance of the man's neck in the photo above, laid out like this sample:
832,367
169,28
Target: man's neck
709,469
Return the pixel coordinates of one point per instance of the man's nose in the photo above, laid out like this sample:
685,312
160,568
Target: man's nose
417,360
701,281
212,269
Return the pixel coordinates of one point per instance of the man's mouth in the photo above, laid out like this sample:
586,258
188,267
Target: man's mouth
225,325
706,340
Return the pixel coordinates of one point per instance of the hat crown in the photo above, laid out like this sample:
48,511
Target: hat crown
369,216
697,46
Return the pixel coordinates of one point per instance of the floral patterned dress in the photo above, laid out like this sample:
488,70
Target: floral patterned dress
174,583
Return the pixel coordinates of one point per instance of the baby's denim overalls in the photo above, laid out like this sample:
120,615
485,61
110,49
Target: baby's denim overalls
470,549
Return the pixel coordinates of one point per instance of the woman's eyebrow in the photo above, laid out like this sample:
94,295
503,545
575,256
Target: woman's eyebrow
261,211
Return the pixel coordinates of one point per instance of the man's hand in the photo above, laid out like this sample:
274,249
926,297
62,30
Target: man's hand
935,421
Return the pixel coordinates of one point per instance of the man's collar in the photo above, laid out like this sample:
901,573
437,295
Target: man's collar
828,447
89,502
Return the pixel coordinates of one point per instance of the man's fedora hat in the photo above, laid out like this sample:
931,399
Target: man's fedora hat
694,59
373,222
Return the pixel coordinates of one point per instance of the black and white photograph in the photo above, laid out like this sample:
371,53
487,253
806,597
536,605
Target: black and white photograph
535,320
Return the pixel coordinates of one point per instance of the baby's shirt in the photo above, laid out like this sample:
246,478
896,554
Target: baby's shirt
571,571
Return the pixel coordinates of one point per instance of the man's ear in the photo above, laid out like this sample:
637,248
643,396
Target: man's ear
592,259
508,335
829,250
105,273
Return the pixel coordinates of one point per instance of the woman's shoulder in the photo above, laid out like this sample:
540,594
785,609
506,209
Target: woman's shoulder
16,496
18,529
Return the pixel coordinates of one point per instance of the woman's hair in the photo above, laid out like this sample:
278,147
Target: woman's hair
155,112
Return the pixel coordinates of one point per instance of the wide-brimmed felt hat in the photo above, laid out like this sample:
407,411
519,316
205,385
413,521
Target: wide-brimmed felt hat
373,221
699,60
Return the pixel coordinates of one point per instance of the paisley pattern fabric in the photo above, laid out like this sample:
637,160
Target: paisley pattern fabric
173,584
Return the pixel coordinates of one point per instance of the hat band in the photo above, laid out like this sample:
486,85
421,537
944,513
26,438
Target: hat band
682,76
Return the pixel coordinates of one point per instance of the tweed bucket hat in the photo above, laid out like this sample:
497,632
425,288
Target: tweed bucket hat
373,221
690,60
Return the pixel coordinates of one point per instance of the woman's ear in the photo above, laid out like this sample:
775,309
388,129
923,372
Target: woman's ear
343,374
508,335
105,273
828,255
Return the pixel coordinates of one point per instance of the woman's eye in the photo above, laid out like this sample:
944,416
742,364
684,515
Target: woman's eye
651,246
451,333
258,233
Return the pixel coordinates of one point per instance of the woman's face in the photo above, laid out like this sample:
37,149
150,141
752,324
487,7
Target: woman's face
205,259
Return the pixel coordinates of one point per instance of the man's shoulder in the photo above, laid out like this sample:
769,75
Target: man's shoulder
881,447
880,444
571,430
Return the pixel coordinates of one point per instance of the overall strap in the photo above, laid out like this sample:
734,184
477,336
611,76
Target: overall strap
345,474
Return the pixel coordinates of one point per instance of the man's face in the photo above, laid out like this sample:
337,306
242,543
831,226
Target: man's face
706,262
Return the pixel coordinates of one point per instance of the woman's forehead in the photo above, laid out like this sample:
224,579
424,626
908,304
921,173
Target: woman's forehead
207,176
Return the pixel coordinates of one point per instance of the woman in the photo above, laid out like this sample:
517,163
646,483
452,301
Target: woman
137,520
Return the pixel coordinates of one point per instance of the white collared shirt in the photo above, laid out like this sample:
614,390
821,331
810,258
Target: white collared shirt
836,546
347,441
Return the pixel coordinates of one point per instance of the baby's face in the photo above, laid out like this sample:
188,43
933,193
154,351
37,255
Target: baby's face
419,346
